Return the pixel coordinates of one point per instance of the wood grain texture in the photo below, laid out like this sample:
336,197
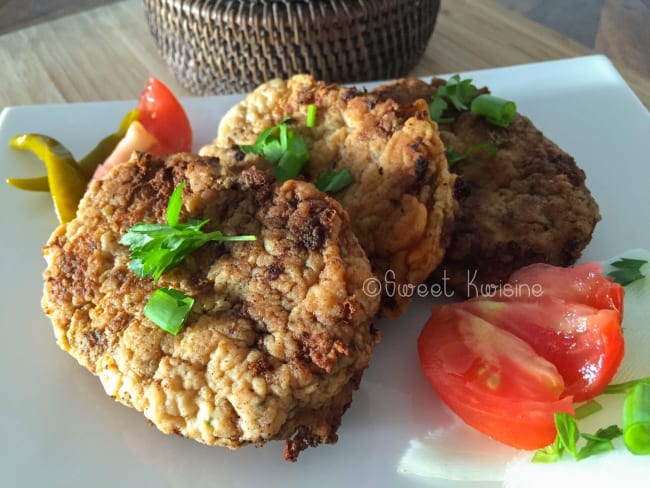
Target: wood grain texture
18,14
575,19
107,53
624,33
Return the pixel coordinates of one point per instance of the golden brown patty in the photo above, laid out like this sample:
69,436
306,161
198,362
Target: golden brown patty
400,203
280,332
527,204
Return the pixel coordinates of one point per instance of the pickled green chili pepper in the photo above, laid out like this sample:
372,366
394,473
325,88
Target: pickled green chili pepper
88,164
39,183
67,183
48,149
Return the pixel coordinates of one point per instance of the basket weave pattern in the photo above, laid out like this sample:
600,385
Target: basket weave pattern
225,46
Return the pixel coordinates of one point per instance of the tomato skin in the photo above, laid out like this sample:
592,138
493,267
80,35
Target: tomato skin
519,410
164,117
583,283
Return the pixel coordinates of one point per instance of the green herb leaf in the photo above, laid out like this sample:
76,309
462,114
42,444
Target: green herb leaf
587,409
600,442
282,148
629,271
333,181
174,205
456,92
496,111
549,454
168,309
156,248
623,387
567,431
454,156
436,108
311,115
636,419
595,445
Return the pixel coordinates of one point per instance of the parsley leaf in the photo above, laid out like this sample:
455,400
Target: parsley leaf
333,181
628,271
156,248
281,147
456,92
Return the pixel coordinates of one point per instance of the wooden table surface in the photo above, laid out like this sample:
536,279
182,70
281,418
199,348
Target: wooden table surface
74,51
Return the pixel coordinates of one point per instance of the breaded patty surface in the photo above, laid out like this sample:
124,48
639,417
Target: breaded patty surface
526,204
280,332
400,202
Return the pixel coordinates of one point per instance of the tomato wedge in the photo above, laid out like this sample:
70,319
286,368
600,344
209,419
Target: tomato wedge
493,380
584,343
162,128
164,117
505,364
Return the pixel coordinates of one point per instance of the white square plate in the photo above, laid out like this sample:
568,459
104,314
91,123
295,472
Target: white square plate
60,429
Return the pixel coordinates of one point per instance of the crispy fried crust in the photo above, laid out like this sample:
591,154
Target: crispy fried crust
401,201
527,204
280,332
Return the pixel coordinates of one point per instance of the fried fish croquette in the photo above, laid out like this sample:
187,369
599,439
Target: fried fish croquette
526,204
400,201
280,332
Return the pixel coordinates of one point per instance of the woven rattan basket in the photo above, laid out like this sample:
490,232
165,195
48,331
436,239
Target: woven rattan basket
225,46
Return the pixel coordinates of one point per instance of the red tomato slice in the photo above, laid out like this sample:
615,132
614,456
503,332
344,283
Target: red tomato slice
584,343
493,380
164,117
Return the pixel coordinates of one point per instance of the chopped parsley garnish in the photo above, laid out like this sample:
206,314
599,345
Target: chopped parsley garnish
333,181
454,156
635,432
282,148
156,248
627,271
456,92
568,438
168,309
460,96
289,153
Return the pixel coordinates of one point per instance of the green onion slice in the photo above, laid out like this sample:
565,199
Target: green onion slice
623,387
587,409
311,115
497,111
168,309
636,419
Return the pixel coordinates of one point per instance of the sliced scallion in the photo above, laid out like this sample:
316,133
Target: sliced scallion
636,419
168,309
497,111
311,115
